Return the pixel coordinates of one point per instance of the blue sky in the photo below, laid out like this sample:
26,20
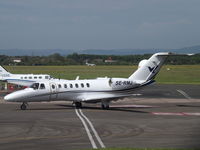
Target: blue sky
99,24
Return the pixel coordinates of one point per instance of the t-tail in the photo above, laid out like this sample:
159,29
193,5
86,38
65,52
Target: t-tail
4,73
148,69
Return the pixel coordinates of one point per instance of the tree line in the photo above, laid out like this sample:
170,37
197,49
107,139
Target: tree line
80,59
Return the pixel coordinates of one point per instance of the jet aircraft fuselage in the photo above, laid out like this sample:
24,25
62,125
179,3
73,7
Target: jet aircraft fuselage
101,90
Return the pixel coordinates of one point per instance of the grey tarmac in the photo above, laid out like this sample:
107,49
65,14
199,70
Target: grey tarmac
157,117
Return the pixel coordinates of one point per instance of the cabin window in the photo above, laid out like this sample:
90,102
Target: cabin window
25,77
42,86
30,77
76,85
35,86
59,86
46,77
35,77
53,86
88,85
21,77
40,77
71,86
82,85
65,85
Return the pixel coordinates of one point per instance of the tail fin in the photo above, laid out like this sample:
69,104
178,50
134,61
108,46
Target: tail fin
148,69
3,71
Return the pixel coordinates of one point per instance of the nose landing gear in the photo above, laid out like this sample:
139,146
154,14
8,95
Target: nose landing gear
78,104
105,104
23,106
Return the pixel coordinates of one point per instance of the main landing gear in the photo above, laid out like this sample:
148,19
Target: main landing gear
105,105
78,104
23,106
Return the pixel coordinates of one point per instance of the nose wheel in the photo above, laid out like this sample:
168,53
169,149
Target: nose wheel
78,104
23,106
105,105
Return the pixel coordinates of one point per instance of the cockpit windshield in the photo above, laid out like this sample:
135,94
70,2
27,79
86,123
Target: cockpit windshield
35,86
50,77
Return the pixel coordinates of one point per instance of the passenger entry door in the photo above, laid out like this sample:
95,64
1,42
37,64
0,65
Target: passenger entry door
53,90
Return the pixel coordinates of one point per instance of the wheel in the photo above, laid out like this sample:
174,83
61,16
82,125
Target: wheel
105,106
102,106
23,106
78,104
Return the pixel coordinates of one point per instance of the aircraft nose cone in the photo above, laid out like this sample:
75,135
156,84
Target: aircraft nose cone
8,97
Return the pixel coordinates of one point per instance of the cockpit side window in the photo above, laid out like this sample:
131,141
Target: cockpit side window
42,86
35,86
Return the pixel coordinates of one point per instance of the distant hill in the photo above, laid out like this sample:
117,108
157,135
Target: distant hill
193,49
46,52
34,52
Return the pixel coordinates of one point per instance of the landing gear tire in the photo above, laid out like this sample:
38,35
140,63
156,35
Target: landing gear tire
105,106
78,104
23,106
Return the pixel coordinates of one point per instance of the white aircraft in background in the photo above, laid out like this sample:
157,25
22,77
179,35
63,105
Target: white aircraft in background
89,64
22,79
101,90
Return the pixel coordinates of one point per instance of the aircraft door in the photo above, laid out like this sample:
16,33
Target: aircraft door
53,90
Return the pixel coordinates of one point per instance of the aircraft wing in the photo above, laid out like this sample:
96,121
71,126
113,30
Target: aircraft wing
112,95
98,96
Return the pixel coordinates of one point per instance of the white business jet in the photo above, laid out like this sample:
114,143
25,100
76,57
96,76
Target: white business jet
101,90
22,79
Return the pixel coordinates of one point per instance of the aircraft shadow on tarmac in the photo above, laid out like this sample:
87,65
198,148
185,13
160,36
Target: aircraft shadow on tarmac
69,107
110,109
184,105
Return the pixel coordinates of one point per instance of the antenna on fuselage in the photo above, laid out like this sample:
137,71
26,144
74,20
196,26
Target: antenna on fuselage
77,78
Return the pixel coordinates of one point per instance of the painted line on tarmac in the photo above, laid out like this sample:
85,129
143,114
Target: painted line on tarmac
84,119
168,113
87,130
193,114
176,113
184,94
132,106
93,129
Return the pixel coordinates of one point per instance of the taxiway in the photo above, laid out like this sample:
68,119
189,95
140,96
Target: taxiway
161,116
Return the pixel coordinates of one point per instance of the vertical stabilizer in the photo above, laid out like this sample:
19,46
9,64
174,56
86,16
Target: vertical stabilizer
148,69
4,72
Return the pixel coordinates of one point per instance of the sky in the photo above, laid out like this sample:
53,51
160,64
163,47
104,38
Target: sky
99,24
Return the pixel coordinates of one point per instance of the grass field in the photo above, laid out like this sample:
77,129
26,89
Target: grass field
169,74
